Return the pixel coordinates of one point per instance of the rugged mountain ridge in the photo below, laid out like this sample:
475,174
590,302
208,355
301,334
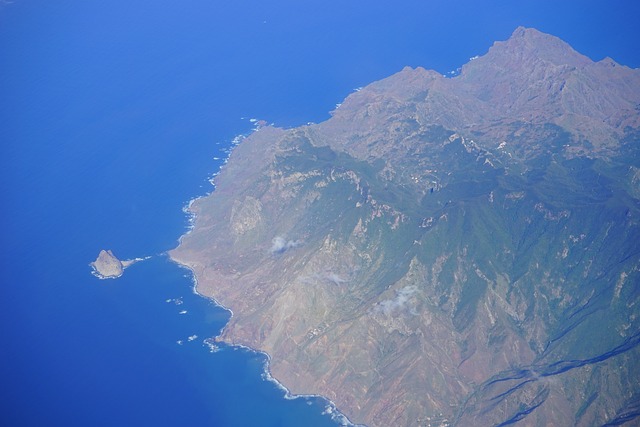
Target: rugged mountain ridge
459,251
531,79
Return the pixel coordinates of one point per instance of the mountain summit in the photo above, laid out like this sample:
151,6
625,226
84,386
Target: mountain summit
530,79
537,77
443,251
527,46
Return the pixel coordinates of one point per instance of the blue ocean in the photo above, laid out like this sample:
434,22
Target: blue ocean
113,115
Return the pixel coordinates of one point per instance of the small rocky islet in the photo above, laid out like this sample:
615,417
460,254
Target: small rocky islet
108,266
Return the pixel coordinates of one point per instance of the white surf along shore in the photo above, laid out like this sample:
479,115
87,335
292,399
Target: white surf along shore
214,343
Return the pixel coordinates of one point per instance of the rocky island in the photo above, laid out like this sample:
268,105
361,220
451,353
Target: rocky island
443,251
107,266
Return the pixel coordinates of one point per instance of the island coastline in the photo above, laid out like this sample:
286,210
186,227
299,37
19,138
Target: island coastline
108,266
331,409
377,298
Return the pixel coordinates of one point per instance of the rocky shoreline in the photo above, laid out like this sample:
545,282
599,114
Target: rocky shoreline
108,266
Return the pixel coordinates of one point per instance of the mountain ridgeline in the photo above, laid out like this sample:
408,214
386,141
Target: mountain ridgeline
444,251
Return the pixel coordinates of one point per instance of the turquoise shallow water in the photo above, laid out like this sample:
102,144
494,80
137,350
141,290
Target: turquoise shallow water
111,114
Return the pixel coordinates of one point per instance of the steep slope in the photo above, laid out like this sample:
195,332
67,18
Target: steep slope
456,251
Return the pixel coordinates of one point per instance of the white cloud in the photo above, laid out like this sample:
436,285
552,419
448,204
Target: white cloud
335,278
403,299
280,245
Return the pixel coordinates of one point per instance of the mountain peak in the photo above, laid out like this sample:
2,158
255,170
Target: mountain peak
529,44
522,32
526,51
531,77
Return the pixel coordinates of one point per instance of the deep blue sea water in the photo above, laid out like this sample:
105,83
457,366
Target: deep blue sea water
111,114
